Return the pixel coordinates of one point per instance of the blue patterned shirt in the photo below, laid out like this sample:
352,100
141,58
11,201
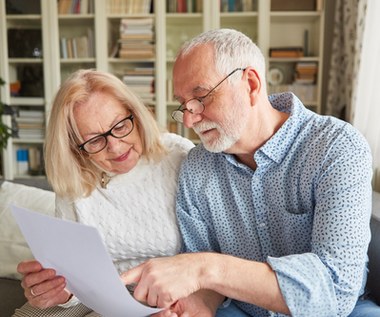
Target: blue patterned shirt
305,210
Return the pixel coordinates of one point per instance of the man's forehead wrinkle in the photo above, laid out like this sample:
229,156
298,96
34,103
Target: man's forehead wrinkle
196,91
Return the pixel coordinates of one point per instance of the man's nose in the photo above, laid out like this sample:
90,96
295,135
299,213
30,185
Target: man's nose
189,119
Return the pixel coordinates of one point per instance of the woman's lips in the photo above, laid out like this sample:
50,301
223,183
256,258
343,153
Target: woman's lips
122,157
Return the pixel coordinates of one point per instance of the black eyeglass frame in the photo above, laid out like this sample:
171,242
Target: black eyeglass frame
201,99
106,134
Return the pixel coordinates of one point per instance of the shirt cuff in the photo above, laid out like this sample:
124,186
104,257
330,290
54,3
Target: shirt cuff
73,301
226,303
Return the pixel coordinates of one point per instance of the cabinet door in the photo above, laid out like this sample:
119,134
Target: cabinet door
131,38
241,15
76,25
24,69
184,20
296,50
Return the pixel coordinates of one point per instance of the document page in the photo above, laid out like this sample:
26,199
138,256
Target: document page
77,252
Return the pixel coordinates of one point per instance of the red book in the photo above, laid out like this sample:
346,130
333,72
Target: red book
181,6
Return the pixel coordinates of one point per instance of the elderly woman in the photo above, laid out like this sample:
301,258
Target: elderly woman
110,168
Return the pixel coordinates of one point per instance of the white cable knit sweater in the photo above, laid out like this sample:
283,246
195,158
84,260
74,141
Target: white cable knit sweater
135,214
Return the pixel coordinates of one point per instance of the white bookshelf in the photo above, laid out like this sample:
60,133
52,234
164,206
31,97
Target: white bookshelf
267,28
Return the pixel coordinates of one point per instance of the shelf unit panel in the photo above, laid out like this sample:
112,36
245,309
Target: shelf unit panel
20,101
245,22
180,28
288,29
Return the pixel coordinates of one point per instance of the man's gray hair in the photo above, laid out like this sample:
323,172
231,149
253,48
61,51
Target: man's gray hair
232,49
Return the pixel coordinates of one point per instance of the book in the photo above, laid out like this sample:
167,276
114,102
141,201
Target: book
136,39
292,5
135,54
35,160
319,5
181,6
81,44
286,52
64,6
31,113
83,7
63,48
305,72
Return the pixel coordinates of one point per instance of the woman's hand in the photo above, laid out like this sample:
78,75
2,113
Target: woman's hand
200,304
42,287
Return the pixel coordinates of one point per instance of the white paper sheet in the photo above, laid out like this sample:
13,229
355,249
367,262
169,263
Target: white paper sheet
77,252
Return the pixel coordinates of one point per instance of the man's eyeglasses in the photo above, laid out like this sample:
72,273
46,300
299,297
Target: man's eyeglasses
196,105
99,142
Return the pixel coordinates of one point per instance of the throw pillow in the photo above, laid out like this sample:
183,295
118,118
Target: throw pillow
13,247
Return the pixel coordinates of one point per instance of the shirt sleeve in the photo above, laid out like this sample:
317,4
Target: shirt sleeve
72,302
328,280
195,229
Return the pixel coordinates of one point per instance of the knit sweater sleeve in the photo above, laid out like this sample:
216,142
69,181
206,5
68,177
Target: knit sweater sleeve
65,209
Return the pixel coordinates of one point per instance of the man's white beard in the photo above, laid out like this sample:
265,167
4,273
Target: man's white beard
229,131
222,142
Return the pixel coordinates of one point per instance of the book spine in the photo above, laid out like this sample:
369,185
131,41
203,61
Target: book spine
22,162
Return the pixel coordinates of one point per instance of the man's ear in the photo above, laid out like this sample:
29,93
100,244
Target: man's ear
254,82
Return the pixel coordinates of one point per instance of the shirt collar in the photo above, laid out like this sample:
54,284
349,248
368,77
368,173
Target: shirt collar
277,147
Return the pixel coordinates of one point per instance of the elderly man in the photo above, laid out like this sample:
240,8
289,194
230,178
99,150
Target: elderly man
273,205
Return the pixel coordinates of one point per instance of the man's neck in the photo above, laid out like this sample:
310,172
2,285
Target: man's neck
257,135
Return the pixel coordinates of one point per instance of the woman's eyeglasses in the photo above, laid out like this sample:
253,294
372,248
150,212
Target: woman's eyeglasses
99,142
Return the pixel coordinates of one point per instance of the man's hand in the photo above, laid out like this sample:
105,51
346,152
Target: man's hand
42,287
163,281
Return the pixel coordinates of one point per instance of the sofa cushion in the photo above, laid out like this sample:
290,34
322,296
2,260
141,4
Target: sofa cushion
12,296
373,283
13,247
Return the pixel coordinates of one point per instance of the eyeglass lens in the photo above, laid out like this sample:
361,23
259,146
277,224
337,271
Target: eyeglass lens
196,105
120,130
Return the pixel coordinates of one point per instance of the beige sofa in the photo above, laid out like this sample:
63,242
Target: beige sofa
13,247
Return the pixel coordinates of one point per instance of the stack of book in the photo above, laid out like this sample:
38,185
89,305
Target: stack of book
287,51
291,5
35,157
129,6
78,47
75,6
237,5
30,124
29,160
306,73
141,81
136,38
306,93
184,6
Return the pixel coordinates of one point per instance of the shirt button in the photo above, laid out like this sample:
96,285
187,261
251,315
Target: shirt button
262,224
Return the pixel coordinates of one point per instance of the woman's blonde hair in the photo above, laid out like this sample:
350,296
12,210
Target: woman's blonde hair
69,170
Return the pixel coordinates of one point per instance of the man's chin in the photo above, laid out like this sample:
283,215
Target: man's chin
212,149
215,147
